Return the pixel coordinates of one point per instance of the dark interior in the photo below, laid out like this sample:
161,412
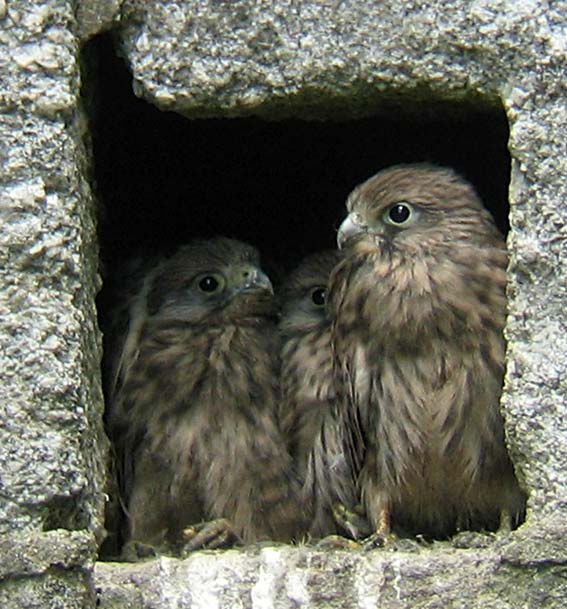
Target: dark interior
163,179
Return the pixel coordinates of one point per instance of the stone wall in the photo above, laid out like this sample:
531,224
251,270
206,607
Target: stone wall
283,58
51,440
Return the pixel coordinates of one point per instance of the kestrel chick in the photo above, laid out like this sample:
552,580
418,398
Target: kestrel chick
419,306
307,412
195,417
307,366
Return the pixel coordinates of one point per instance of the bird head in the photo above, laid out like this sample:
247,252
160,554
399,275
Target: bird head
413,208
303,296
207,280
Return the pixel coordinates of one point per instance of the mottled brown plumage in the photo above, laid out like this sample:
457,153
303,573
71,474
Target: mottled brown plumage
194,415
121,319
123,305
308,401
419,305
307,366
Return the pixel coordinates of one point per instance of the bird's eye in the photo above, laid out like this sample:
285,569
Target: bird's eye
210,283
319,296
399,214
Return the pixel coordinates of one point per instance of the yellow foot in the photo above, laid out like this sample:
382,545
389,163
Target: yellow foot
380,540
212,535
353,522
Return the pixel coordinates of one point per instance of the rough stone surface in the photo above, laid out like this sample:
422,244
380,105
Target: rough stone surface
47,570
349,58
51,440
96,16
289,578
322,59
316,58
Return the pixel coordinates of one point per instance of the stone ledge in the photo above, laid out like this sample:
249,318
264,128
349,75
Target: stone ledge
503,575
30,554
47,570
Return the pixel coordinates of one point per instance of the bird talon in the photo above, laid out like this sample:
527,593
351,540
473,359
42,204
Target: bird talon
386,541
352,521
213,535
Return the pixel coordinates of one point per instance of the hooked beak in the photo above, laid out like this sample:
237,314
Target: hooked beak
349,228
254,280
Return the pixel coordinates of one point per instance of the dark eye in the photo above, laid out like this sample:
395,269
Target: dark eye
399,214
319,296
208,284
